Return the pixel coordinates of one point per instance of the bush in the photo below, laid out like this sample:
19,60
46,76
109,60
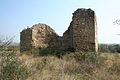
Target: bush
83,62
110,48
45,51
87,57
70,49
11,68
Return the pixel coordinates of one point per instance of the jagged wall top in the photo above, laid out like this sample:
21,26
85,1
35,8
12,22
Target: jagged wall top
81,34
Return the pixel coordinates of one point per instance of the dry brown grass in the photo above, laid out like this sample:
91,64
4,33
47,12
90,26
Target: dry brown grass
70,68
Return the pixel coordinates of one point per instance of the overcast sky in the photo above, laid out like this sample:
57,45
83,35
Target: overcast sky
16,15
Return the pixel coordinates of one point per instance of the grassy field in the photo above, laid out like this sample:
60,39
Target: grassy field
52,64
74,66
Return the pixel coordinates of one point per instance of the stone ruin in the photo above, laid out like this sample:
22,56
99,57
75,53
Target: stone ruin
37,36
80,36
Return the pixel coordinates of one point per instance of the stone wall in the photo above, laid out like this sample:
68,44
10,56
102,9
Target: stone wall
43,35
80,36
38,35
68,38
26,39
82,32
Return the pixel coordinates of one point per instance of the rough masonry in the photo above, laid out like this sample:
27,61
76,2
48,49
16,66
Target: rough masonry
37,36
80,36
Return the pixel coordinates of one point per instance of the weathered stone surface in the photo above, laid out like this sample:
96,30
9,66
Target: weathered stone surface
80,36
82,32
38,35
26,39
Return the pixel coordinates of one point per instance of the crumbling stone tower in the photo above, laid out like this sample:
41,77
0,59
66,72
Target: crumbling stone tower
82,32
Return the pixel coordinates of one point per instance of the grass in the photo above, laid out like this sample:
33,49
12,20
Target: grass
59,65
74,66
